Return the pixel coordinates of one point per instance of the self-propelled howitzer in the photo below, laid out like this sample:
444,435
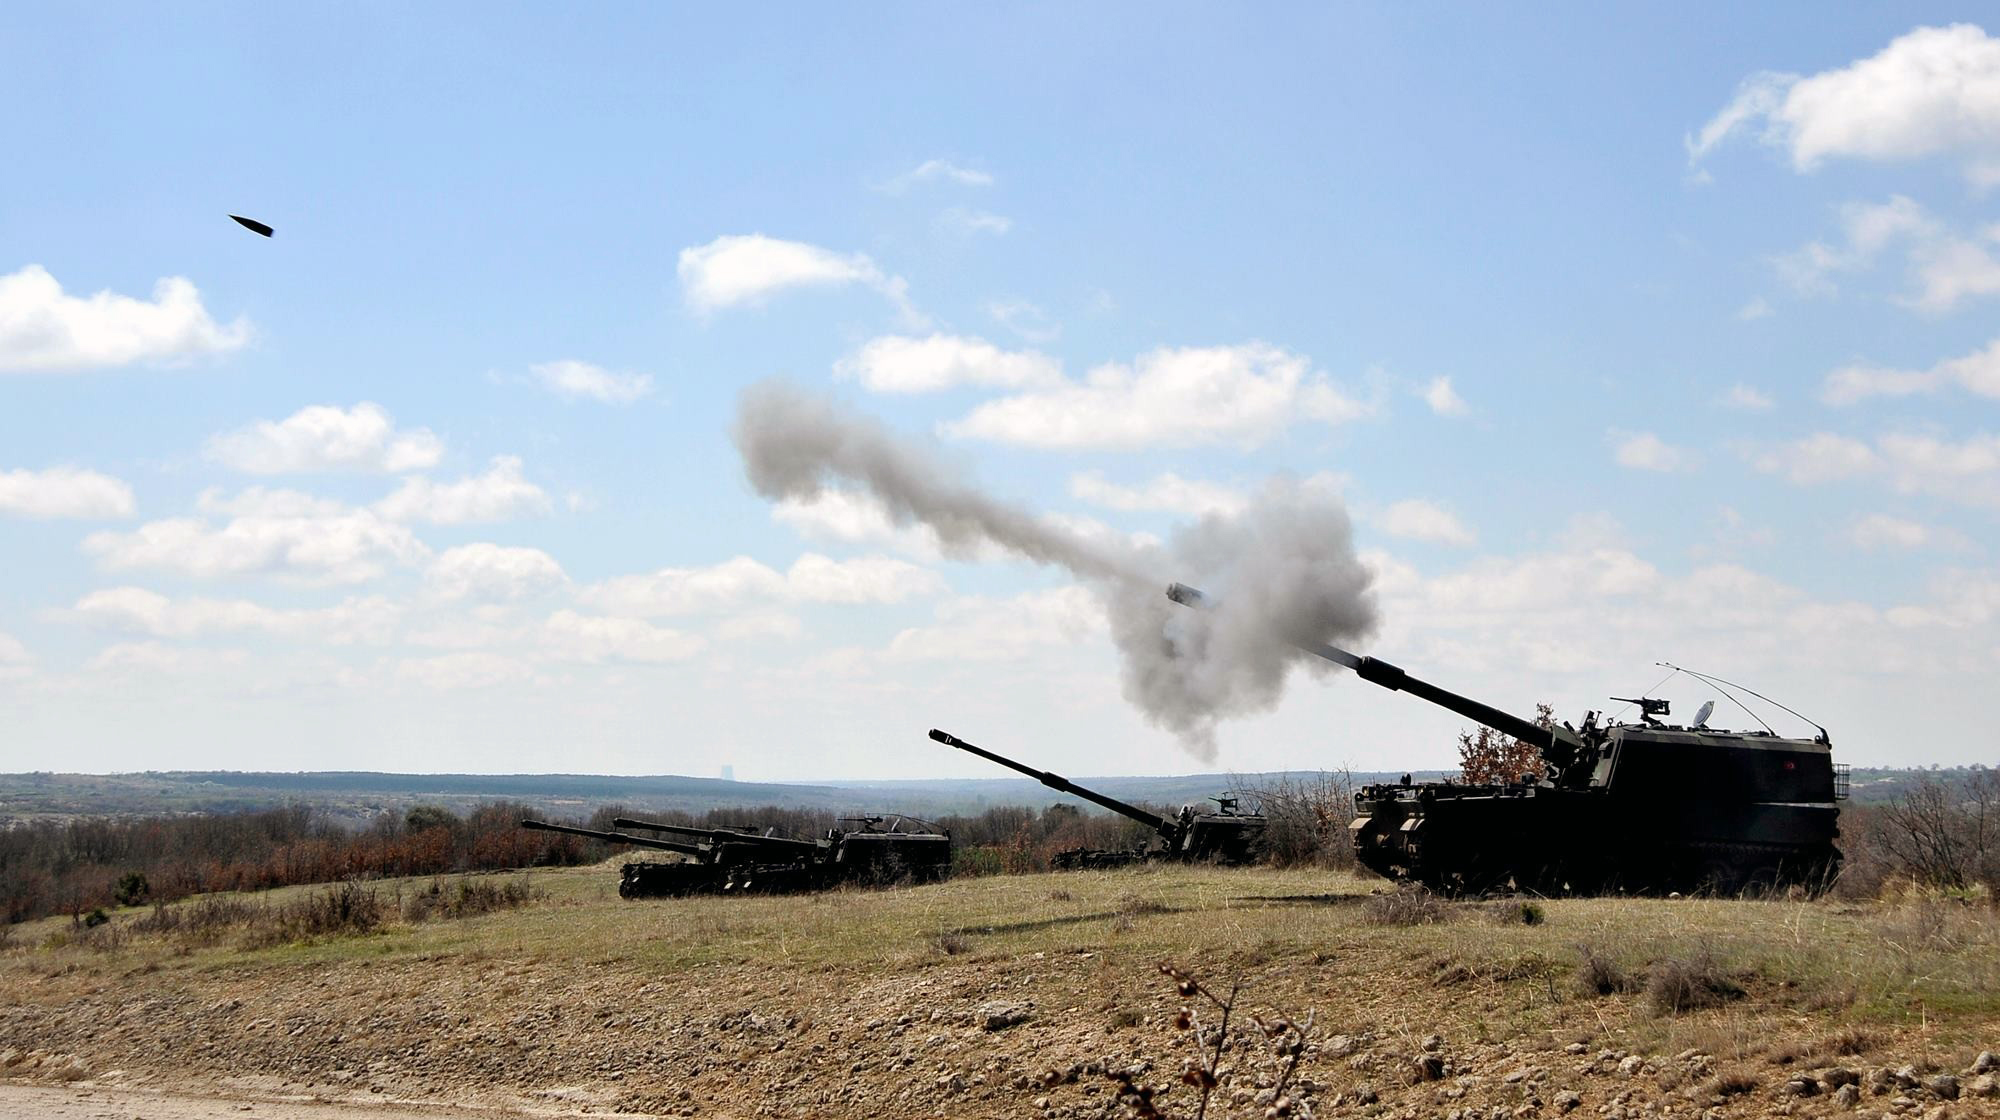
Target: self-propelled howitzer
1645,807
1222,836
701,874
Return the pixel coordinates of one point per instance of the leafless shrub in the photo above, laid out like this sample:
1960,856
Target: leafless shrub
202,921
466,898
1675,986
1132,906
1271,1064
1306,821
1599,975
949,943
1729,1085
341,910
1411,906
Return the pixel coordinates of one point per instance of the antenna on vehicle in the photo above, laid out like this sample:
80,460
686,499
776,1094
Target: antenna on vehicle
1720,684
1702,713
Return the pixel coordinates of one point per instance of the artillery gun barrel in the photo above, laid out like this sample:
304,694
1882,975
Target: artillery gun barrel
1556,743
716,835
616,837
1056,781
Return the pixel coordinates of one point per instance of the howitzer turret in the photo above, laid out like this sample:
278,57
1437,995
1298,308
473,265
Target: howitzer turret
1224,836
1645,807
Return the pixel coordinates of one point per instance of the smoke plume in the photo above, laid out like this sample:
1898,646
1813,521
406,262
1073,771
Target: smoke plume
1281,572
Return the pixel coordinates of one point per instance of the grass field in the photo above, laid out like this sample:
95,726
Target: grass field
871,1002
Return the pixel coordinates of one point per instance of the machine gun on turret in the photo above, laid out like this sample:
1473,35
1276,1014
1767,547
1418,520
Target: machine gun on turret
1641,807
1222,836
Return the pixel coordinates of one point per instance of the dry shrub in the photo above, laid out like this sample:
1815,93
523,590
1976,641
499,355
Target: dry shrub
342,910
1599,975
1729,1085
1849,1042
202,921
1060,895
466,898
1675,986
1131,906
1413,906
949,943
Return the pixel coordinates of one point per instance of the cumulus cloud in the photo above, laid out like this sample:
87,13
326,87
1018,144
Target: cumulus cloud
15,660
978,628
576,637
327,438
853,517
933,170
962,221
498,495
1932,91
157,658
1746,398
742,270
900,364
43,330
1965,471
1419,520
493,572
1243,395
1881,532
1443,399
1025,319
1167,492
138,610
473,669
1648,452
351,546
812,578
583,381
64,492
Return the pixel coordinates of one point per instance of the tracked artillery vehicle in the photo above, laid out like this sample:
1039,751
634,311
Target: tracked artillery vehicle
881,850
1643,807
1222,835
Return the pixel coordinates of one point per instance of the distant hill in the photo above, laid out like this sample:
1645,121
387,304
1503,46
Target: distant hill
361,795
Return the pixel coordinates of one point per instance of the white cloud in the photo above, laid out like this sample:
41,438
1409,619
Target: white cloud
1747,398
960,221
1758,308
64,492
327,438
1243,395
135,609
1934,90
256,501
493,572
571,636
1443,399
976,628
1965,471
348,547
469,670
852,516
1166,492
1025,319
15,660
1944,268
498,495
1880,531
573,379
136,658
900,364
43,330
744,269
1424,521
1821,457
1647,452
811,579
934,169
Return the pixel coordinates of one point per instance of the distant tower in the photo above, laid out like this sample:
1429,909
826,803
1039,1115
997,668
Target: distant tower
729,773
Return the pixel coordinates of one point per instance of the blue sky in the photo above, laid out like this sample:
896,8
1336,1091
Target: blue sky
1625,336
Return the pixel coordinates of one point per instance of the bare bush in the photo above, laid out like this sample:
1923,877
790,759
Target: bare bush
1410,906
1675,986
466,898
1944,832
346,909
1599,975
1306,821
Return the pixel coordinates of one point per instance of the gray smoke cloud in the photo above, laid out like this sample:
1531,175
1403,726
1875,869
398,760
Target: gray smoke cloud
1281,572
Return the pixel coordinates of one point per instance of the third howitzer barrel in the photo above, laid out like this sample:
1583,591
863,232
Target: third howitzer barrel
1221,836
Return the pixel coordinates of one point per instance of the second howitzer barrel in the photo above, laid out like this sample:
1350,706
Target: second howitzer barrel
1154,821
615,837
719,835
